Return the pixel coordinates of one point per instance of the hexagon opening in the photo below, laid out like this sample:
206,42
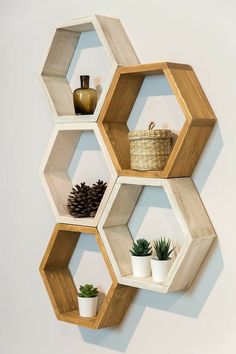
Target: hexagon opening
196,230
75,154
66,55
156,102
60,285
121,104
89,49
153,217
87,254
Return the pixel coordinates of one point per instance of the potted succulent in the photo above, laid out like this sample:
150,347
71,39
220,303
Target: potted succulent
162,262
88,300
140,258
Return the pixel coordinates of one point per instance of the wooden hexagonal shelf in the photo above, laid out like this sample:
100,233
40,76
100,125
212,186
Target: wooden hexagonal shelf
190,214
61,289
199,117
64,41
54,171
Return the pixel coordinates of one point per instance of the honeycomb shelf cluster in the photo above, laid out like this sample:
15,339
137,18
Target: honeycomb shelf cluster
108,123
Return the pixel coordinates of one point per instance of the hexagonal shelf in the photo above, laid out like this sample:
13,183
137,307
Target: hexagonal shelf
190,214
193,136
59,167
61,289
116,45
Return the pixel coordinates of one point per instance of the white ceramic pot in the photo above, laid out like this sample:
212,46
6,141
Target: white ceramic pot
141,266
160,269
88,306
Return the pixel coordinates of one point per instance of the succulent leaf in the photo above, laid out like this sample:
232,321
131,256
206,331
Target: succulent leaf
88,290
162,248
141,248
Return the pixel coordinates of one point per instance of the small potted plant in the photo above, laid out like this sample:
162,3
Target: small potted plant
88,300
162,262
140,258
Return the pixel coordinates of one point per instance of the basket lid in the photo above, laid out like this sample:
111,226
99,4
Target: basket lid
151,133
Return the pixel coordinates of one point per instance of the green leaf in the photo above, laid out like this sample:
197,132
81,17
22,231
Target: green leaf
162,248
88,290
141,248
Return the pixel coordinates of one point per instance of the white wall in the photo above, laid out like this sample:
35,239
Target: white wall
202,320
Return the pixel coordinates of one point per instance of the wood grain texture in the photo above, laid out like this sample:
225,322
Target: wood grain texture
64,42
55,165
61,289
117,40
190,211
61,50
120,242
193,136
59,95
189,265
186,151
190,215
122,203
58,186
190,94
117,134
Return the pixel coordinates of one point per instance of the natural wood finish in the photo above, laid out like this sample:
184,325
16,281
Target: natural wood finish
193,258
120,241
145,283
191,217
190,94
121,202
187,150
189,209
117,134
54,170
193,136
56,64
117,40
60,285
63,44
59,94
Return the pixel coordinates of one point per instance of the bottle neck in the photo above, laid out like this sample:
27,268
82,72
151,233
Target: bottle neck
84,81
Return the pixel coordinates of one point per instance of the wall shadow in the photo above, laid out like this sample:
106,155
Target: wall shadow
87,142
87,40
88,149
85,243
208,158
165,114
188,303
87,252
116,337
149,222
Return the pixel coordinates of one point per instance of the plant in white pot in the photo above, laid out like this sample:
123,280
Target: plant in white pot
88,300
140,258
162,262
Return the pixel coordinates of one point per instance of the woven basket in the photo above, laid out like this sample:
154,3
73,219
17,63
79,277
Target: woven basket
150,149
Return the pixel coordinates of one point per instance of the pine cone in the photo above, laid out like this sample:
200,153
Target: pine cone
95,196
77,201
84,201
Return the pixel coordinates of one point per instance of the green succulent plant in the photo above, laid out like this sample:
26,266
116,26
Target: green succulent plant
87,290
141,248
162,248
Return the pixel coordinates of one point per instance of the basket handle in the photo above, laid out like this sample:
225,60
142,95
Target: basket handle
151,125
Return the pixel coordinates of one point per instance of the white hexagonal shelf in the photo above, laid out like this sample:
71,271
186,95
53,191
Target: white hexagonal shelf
197,231
76,153
115,49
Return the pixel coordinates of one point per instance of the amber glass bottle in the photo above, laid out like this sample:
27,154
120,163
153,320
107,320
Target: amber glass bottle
85,98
